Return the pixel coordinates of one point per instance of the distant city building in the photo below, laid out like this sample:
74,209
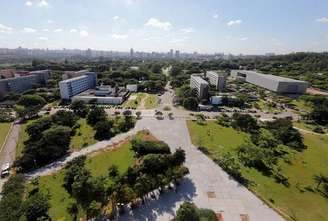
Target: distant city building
217,79
201,86
177,54
271,82
131,53
21,84
71,87
171,55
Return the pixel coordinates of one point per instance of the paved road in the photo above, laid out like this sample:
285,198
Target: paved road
8,152
229,197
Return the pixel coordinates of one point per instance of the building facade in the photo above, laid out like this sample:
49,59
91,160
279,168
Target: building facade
217,79
71,87
200,85
21,84
274,83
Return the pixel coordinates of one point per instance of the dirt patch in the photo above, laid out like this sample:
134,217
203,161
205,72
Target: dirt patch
211,194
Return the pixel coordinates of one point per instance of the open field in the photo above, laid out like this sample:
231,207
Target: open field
150,101
84,136
4,129
301,200
23,136
306,126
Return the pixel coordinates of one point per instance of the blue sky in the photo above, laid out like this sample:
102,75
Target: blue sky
229,26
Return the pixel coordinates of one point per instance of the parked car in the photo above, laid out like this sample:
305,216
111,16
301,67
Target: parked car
5,170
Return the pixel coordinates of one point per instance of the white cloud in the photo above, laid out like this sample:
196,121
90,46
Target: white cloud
115,18
28,3
119,36
243,38
234,22
50,21
215,16
43,3
84,33
155,23
187,30
5,29
73,30
322,20
43,38
45,29
179,40
58,30
29,30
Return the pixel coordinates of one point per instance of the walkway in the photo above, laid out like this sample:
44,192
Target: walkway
207,185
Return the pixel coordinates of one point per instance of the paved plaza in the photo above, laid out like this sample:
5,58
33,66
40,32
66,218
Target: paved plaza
207,185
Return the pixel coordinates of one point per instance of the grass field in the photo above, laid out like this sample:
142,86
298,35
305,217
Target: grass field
83,137
150,101
98,163
295,201
302,105
4,129
135,102
263,106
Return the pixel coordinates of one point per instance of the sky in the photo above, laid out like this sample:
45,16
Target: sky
205,26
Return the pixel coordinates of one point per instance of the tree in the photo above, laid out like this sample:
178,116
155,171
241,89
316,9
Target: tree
178,157
190,103
35,129
319,179
138,113
36,207
79,108
94,209
29,105
187,212
103,129
244,122
73,210
113,171
95,115
64,118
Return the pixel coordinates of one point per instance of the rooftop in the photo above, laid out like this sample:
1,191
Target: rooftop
73,79
199,79
273,77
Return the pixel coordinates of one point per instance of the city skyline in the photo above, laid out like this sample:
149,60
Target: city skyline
255,27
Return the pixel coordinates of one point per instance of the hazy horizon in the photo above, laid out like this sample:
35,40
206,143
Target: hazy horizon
236,27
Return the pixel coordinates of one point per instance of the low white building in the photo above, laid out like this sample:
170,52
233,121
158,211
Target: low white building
132,87
99,100
216,100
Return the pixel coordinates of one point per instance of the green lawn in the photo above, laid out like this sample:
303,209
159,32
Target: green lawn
151,101
135,102
302,105
263,106
83,137
98,164
23,136
4,129
294,201
216,138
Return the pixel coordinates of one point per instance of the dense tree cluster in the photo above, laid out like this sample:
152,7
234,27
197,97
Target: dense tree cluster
49,139
155,170
29,105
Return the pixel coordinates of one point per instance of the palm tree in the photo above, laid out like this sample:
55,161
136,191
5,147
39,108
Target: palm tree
319,179
73,210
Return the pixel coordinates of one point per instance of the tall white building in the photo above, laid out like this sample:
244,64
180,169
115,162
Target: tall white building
71,87
201,86
216,79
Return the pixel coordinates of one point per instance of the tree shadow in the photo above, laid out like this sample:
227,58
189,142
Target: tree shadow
165,204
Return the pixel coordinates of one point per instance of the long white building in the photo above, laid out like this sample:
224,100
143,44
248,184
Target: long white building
71,87
201,86
272,82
